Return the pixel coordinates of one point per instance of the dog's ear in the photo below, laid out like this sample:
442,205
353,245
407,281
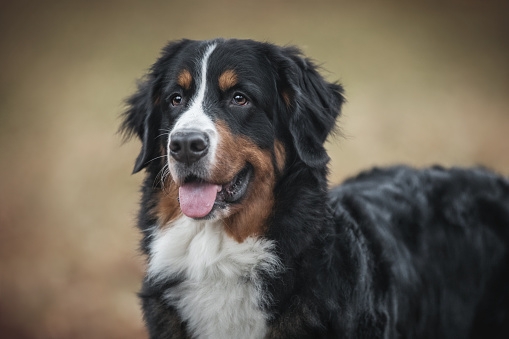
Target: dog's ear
313,105
140,119
143,115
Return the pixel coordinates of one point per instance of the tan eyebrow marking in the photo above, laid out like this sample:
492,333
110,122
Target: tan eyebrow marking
227,80
286,98
184,79
280,153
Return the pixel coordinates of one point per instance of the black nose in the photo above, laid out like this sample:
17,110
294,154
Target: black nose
188,146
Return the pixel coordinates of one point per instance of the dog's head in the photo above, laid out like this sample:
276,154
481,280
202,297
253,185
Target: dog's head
227,117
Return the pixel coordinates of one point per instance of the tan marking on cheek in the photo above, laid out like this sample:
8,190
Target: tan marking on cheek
286,98
249,217
280,154
227,80
184,79
167,208
230,157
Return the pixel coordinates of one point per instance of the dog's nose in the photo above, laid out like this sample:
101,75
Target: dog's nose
188,146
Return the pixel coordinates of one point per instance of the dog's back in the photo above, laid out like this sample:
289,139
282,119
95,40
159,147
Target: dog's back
434,248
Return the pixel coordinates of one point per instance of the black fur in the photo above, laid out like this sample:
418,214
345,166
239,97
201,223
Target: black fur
391,253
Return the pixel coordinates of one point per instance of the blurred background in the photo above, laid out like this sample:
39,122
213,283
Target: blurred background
426,82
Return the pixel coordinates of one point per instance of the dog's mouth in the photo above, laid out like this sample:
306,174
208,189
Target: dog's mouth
198,197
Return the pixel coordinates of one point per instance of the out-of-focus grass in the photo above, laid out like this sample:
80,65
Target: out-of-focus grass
426,83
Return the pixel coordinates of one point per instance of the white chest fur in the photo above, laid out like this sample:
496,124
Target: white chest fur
221,294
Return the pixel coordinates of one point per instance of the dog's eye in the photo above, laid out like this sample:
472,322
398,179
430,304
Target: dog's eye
239,99
176,100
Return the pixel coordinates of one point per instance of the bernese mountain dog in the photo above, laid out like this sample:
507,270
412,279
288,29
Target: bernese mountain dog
244,239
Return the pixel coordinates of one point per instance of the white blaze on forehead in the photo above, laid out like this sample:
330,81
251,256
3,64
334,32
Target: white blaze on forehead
195,116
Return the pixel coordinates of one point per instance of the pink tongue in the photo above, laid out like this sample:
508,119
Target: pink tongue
197,199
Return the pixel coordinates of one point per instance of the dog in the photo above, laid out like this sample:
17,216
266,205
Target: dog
243,238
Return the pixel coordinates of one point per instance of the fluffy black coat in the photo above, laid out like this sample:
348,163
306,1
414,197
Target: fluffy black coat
396,253
391,253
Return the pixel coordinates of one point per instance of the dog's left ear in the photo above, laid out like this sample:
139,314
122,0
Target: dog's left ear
313,104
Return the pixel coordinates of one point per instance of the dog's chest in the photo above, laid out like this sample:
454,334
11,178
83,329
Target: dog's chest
221,293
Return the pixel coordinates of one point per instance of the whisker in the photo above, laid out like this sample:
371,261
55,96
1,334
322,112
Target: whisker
159,157
162,175
163,134
165,175
226,225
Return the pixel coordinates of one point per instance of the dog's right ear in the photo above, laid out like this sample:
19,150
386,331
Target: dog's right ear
143,115
140,119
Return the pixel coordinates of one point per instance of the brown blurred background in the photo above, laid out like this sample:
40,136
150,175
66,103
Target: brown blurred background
426,83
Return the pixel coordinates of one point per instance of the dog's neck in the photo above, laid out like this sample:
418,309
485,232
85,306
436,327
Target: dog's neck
298,191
